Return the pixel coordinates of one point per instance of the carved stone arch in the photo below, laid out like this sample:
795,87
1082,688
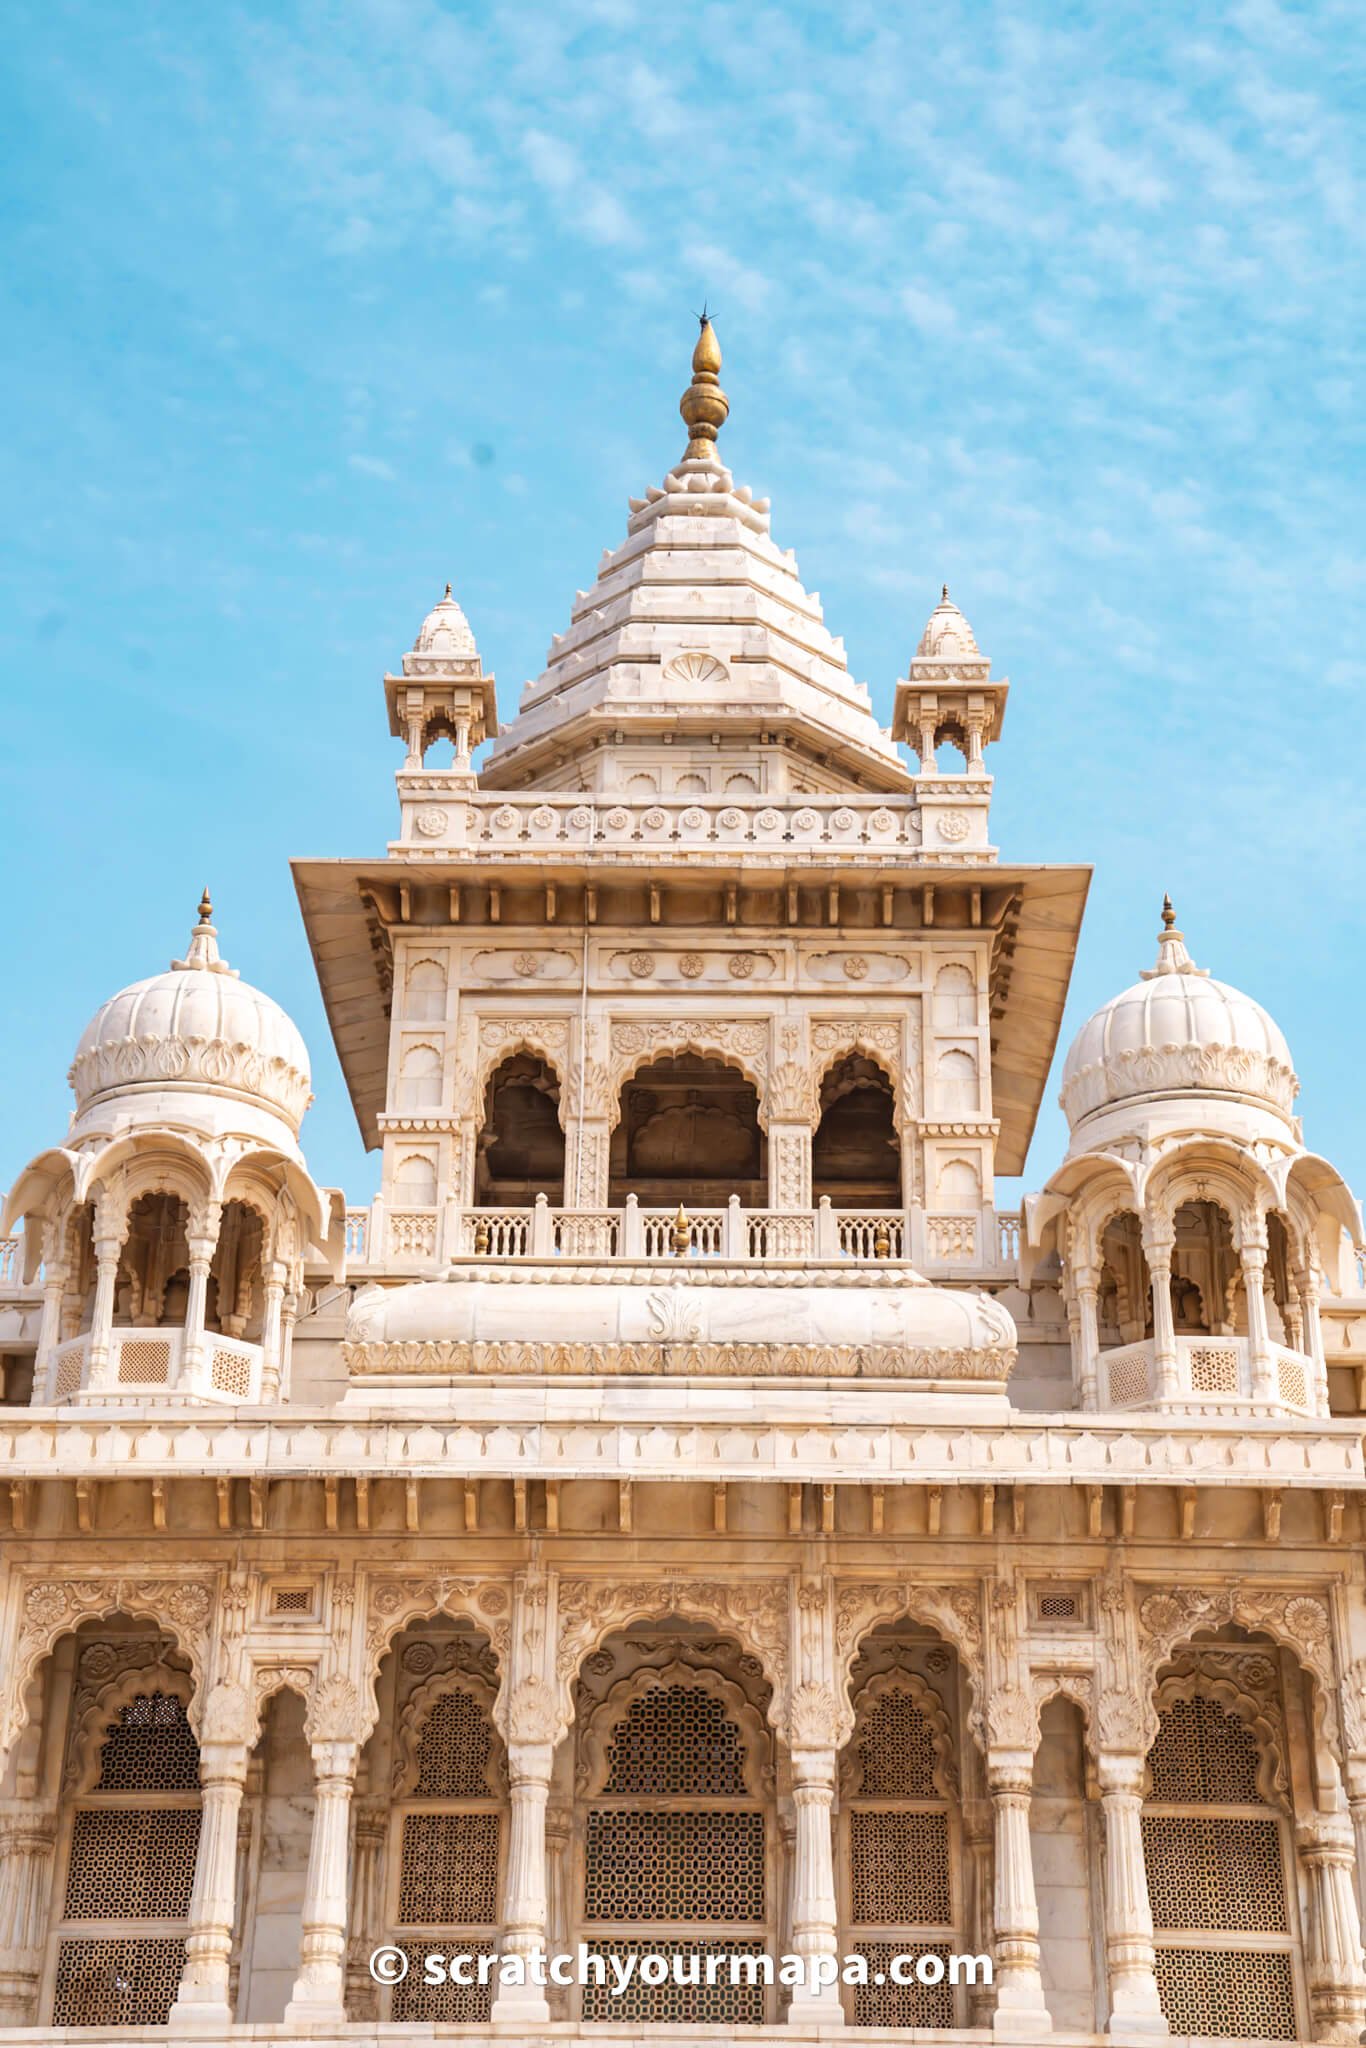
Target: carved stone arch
1297,1621
87,1737
1092,1215
1206,1171
52,1608
954,1612
754,1612
740,1044
931,1705
596,1732
1192,1682
501,1039
1076,1686
417,1711
878,1040
396,1604
269,1679
162,1164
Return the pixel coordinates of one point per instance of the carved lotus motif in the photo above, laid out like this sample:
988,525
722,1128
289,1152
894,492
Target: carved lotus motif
430,822
842,819
525,964
693,818
731,819
1306,1620
642,965
768,821
580,817
543,818
505,817
952,826
692,965
805,821
617,819
855,966
654,819
740,966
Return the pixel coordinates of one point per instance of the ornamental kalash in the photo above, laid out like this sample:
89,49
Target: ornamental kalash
682,1513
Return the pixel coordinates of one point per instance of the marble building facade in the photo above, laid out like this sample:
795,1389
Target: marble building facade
682,1511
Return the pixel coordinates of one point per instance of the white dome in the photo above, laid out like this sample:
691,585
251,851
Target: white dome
445,633
1177,1032
197,1027
947,635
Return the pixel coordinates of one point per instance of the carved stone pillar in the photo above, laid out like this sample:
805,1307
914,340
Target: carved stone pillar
272,1329
27,1839
1310,1289
202,1239
289,1309
1333,1956
588,1145
1085,1284
203,2001
526,1902
369,1833
1158,1251
815,1915
49,1330
1020,2010
1129,1954
977,1848
559,1830
319,1989
1253,1259
789,1166
108,1246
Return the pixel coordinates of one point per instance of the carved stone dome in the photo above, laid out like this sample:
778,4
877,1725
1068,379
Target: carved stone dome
445,632
197,1028
1177,1032
947,635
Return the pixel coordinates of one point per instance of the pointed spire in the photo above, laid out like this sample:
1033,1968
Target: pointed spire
1172,957
202,951
704,404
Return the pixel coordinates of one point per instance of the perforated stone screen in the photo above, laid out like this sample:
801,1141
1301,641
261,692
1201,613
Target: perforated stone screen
687,2005
131,1865
150,1748
677,1740
453,1753
231,1373
416,2000
1216,1871
1214,1369
896,1749
116,1983
144,1362
899,1869
1204,1755
448,1869
674,1866
1219,1992
901,2005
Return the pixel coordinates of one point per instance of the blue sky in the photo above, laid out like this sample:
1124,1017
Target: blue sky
307,308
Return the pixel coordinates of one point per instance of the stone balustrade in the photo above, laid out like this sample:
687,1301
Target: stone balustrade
143,1363
969,1243
1211,1371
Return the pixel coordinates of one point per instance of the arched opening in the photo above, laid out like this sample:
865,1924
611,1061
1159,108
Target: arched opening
153,1286
431,1823
278,1824
115,1760
426,992
688,1132
856,1153
955,998
1217,1846
902,1885
236,1295
1124,1303
1285,1311
675,1850
955,1082
1207,1281
1062,1811
419,1078
520,1151
415,1181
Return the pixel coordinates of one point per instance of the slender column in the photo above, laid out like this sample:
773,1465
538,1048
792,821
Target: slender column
815,1920
1158,1251
1264,1388
27,1840
318,1996
203,2002
107,1249
1356,1806
1020,2010
1085,1282
367,1907
1129,1954
1310,1291
1333,1962
272,1329
977,1848
526,1901
289,1309
202,1239
49,1330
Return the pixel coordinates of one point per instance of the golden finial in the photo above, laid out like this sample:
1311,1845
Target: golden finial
1168,914
704,404
205,906
681,1234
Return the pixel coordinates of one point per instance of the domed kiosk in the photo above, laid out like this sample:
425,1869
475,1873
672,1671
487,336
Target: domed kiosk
1194,1229
173,1222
